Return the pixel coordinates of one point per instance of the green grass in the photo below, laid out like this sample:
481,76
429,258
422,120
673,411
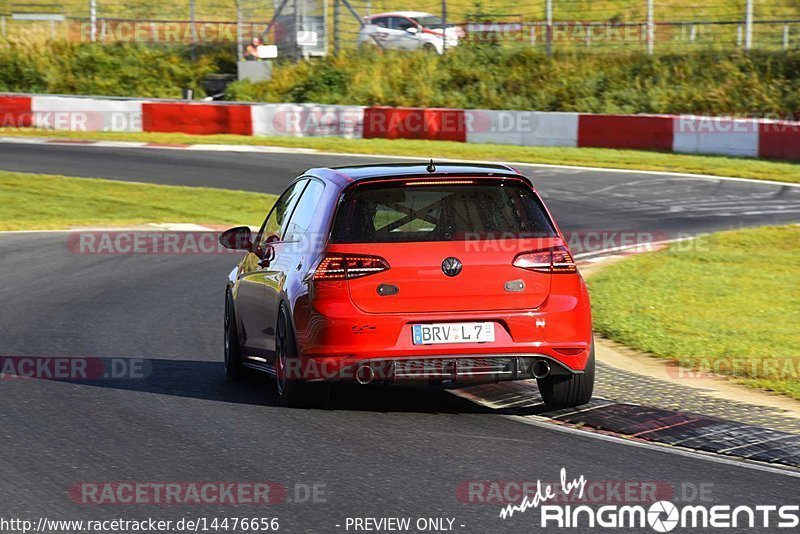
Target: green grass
727,302
39,202
589,157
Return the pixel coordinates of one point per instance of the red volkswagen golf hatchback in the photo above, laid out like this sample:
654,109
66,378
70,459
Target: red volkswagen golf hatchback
454,274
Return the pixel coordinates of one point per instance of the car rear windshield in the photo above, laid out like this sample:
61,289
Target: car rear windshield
392,213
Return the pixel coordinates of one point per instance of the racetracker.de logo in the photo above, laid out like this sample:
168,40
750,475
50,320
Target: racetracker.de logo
595,491
72,368
80,120
144,242
162,31
780,367
178,493
318,121
737,124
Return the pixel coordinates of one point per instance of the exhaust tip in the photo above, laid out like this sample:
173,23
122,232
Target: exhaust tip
540,369
365,375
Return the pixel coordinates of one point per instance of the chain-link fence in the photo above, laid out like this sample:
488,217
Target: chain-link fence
309,28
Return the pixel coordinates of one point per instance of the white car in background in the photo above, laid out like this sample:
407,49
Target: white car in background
409,30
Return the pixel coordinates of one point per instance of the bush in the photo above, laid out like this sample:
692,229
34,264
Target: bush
37,65
470,76
504,78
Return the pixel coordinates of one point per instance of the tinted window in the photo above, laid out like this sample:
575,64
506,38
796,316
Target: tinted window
277,217
391,213
400,23
304,212
430,21
382,22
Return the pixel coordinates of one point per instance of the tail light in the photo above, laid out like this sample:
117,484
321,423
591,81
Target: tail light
551,260
347,267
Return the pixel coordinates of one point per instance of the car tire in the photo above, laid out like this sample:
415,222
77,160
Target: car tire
568,391
291,392
233,351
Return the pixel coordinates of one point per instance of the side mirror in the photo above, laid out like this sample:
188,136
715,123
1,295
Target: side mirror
413,30
239,238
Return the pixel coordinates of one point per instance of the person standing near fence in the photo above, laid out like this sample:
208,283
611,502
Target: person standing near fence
251,52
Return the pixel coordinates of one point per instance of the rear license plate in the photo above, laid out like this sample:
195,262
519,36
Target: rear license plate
434,334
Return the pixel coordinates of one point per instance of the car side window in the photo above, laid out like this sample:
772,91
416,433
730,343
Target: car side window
274,223
381,22
400,23
304,212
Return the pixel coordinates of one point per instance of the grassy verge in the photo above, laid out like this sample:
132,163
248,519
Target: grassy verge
588,157
724,303
33,201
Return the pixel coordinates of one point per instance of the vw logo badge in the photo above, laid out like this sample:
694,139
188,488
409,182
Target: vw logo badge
451,266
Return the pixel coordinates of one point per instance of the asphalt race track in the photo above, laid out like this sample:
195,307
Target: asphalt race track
582,201
379,452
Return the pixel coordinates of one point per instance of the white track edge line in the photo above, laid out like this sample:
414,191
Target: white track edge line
572,167
621,248
308,151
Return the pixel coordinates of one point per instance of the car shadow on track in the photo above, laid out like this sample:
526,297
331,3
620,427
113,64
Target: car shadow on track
205,380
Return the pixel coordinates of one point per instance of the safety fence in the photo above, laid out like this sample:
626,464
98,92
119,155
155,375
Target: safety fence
308,28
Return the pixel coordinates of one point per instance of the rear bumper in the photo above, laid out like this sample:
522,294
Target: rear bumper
335,339
456,369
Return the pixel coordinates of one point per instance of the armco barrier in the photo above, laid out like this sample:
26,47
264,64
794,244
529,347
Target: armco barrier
308,120
779,140
86,114
202,119
646,132
684,134
436,124
523,128
716,135
15,111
